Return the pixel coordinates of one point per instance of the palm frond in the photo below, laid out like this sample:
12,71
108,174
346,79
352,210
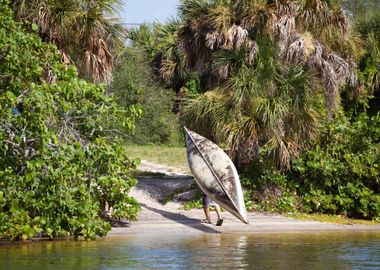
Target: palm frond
341,67
167,69
208,113
192,10
282,150
271,110
331,88
295,50
294,83
243,86
222,63
251,52
219,18
285,26
214,39
302,124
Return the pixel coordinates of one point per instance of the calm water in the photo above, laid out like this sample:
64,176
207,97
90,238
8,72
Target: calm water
206,251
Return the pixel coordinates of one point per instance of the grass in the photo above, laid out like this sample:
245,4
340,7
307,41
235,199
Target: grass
173,156
337,219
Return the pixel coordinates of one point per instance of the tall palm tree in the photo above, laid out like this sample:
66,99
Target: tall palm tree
288,49
369,29
171,60
306,31
160,44
271,107
168,62
85,31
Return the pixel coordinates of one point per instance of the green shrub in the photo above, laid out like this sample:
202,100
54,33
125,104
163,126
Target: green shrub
268,190
342,173
59,165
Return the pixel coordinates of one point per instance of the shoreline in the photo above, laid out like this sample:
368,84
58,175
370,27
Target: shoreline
159,221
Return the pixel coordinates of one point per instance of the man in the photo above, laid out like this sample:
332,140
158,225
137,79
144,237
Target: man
207,202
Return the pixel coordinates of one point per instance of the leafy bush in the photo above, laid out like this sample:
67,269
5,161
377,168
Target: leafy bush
268,190
342,173
59,165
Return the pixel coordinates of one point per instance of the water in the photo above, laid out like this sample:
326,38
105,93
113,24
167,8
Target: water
204,251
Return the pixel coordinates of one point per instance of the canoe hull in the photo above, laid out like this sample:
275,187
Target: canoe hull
215,174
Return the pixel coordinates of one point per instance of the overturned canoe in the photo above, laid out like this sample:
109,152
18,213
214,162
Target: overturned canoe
215,174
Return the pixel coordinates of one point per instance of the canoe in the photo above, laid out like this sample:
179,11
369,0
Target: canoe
215,174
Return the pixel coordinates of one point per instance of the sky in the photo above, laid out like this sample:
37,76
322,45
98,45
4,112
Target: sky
148,11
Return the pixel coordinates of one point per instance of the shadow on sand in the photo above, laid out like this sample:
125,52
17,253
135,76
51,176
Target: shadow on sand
190,222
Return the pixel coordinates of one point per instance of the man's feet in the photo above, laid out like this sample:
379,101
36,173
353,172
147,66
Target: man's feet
206,221
219,222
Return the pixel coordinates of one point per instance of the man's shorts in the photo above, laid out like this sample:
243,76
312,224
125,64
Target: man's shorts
206,201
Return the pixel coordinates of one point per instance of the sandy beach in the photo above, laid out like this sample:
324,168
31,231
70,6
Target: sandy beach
157,217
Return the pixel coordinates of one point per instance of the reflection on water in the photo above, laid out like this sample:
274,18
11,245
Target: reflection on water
204,251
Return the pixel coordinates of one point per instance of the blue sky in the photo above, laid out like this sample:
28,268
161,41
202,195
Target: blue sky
148,11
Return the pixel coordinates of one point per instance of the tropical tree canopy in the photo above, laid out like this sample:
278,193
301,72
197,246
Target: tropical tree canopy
263,65
160,44
369,65
85,31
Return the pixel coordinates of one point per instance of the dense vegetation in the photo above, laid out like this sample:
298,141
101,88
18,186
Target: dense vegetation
339,174
60,165
289,87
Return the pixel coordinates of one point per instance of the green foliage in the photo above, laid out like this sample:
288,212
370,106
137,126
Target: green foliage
369,66
59,164
268,190
340,174
359,8
133,83
193,204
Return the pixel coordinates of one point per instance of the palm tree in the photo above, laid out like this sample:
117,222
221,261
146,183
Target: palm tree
160,44
264,61
369,29
272,107
168,62
172,61
85,31
215,28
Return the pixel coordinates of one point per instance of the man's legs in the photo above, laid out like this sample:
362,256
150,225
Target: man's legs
207,213
219,213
